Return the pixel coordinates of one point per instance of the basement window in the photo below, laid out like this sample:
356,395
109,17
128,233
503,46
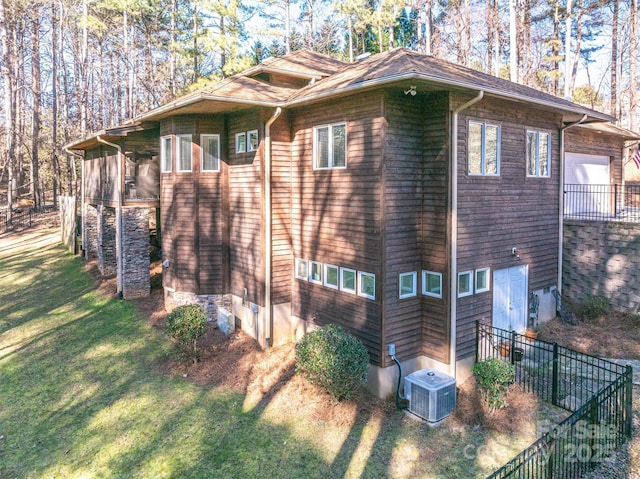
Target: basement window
315,275
241,142
408,285
432,284
331,276
482,280
252,143
348,280
465,284
366,285
302,269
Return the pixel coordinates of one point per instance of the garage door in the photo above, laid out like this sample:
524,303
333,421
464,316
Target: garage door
586,179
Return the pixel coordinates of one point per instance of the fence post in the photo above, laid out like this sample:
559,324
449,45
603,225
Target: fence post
512,348
554,380
477,340
628,401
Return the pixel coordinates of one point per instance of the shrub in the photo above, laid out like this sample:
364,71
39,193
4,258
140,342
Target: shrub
186,324
334,360
493,377
594,307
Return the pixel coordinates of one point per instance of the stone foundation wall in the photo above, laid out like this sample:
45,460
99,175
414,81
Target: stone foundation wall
135,277
209,302
602,259
107,257
90,232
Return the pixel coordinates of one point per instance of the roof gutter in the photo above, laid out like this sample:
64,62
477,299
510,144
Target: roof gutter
268,250
561,199
119,212
453,214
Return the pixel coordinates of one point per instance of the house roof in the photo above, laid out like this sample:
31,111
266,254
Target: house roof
330,78
612,129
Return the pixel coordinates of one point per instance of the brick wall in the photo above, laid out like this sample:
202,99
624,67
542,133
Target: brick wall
90,232
107,261
209,302
602,259
135,277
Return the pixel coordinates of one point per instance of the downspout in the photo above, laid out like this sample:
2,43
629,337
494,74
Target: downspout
83,245
119,215
561,200
267,227
453,280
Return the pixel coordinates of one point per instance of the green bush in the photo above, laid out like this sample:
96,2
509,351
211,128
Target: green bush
334,360
594,307
493,377
186,324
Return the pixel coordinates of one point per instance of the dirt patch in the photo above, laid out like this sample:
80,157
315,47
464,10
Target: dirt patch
616,335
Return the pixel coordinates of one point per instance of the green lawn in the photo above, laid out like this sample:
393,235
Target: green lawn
83,394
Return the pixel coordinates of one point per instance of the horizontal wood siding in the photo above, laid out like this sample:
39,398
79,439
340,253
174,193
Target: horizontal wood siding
496,214
282,248
435,224
336,215
211,216
415,221
245,206
589,142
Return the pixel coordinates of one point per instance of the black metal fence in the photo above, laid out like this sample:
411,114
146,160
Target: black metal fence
602,202
597,392
20,219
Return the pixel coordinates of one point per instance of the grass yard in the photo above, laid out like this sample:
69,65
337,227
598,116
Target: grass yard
89,389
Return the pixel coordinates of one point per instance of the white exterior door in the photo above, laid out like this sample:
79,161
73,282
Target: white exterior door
510,298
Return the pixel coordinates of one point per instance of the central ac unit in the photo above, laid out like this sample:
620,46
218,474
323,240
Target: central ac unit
226,321
431,394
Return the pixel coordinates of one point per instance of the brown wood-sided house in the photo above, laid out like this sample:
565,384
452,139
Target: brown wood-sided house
402,197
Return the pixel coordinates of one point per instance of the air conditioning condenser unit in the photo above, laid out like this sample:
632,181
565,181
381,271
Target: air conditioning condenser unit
431,394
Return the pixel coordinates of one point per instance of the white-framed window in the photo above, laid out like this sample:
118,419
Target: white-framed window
302,269
330,146
483,278
315,272
408,285
166,154
483,149
183,152
348,280
538,154
252,140
209,152
432,284
241,142
331,276
366,285
465,284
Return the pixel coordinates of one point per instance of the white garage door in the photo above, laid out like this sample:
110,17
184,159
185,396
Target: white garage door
586,179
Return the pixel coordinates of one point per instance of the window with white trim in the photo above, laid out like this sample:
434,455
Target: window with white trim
331,276
209,152
538,154
366,285
432,284
348,280
315,273
241,142
482,280
166,154
483,149
302,269
408,285
465,284
183,152
330,146
252,140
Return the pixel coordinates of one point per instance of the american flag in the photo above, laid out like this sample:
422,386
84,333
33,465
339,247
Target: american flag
636,157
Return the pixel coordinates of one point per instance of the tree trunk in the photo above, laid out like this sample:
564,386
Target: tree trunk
8,104
54,92
513,42
36,95
633,54
614,59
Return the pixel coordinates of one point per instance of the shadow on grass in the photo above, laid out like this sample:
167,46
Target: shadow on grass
82,395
